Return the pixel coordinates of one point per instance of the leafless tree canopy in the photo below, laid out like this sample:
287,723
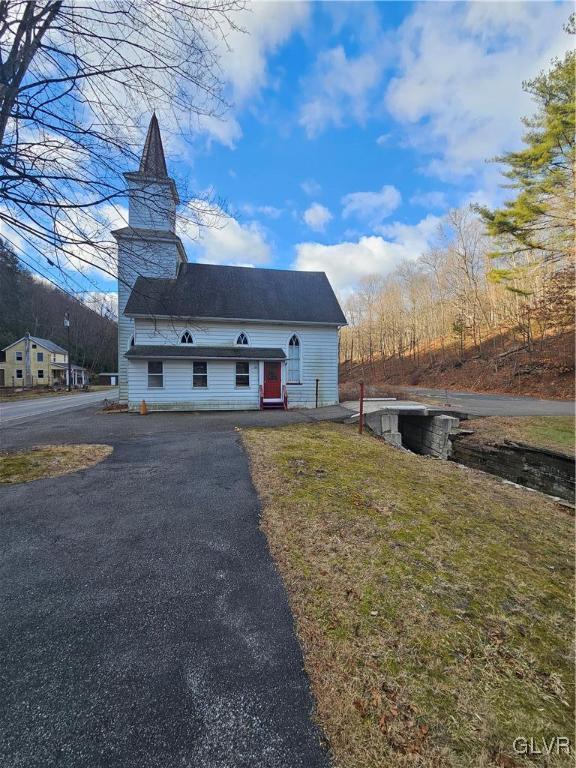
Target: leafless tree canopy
449,298
75,80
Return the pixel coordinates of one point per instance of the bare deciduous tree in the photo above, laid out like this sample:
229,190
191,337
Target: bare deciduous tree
75,80
446,297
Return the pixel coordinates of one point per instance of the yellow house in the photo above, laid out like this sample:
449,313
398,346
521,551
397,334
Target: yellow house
33,362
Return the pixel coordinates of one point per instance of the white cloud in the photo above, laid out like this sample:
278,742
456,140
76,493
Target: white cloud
461,69
311,187
96,252
225,130
270,211
231,242
244,58
414,238
347,262
103,302
317,216
384,138
371,206
434,200
339,89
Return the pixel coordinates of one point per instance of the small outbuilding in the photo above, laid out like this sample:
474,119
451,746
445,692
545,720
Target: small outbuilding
109,379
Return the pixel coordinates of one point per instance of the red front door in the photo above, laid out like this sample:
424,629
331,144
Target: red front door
272,380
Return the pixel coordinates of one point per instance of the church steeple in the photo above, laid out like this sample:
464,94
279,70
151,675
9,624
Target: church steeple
153,162
149,245
152,194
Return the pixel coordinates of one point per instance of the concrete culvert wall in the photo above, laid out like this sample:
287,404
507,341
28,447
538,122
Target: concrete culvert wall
428,435
433,433
424,434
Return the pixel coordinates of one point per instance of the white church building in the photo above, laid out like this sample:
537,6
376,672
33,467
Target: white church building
205,337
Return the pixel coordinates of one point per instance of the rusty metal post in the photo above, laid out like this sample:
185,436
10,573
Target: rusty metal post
361,421
317,383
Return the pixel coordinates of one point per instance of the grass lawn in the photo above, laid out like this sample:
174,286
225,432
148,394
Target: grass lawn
433,603
554,432
49,461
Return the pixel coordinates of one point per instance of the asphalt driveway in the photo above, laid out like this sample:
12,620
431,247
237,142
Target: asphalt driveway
143,622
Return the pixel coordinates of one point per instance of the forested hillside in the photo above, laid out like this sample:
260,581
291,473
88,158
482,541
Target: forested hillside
26,304
491,305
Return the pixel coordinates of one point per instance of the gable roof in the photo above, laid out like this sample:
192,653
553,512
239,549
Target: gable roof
44,343
238,293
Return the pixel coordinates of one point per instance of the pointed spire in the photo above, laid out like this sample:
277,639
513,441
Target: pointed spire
153,162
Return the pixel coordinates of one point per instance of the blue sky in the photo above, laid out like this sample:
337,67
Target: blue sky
355,126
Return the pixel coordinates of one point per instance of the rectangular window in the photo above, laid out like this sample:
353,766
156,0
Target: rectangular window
40,374
18,355
33,346
19,373
40,357
242,374
199,374
155,374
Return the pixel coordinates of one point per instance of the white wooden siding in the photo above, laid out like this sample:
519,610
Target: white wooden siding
178,392
156,259
318,351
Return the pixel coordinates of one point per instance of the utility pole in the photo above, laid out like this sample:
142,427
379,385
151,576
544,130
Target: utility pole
27,367
67,326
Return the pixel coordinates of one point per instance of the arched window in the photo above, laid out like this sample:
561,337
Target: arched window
294,360
186,338
242,339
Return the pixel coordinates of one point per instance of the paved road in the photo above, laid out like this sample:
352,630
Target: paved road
144,624
25,410
480,404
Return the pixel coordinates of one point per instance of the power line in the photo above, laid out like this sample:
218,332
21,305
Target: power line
37,269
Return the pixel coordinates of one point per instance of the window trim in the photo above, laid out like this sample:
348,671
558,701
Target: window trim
242,344
39,357
21,372
247,374
299,346
18,356
156,375
40,373
194,374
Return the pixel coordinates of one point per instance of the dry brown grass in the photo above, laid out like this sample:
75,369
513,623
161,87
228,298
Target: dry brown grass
553,432
351,391
115,407
546,371
433,603
49,461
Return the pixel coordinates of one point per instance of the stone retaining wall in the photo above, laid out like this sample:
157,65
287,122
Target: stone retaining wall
548,471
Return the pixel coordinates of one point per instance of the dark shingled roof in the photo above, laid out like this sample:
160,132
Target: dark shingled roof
204,353
238,293
153,162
